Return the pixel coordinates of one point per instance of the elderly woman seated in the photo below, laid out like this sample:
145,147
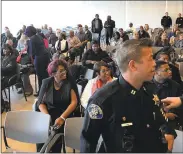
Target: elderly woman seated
58,96
8,65
103,77
179,42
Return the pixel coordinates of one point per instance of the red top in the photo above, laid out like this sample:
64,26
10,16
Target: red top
46,43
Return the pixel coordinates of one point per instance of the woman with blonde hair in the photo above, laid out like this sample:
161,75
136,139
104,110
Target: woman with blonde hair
148,30
22,43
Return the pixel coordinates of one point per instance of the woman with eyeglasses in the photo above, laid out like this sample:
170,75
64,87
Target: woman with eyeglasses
104,76
58,96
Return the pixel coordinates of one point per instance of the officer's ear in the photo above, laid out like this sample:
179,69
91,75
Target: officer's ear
132,65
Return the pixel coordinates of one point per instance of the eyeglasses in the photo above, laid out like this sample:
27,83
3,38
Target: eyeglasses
105,71
62,71
166,70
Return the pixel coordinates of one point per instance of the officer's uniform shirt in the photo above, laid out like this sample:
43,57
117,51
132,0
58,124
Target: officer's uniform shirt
166,21
169,88
179,22
118,107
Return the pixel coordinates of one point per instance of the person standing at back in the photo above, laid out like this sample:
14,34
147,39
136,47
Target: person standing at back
97,26
38,52
179,21
109,25
166,21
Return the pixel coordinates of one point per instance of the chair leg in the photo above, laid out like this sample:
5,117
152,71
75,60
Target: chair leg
63,144
5,93
23,90
35,83
9,99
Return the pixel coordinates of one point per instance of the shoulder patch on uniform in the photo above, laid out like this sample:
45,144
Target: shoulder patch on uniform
95,112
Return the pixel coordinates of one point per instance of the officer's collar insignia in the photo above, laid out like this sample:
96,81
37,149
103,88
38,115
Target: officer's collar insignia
133,92
156,100
127,124
144,88
95,112
124,118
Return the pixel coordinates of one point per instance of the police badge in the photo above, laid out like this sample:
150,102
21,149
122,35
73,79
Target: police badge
156,100
95,112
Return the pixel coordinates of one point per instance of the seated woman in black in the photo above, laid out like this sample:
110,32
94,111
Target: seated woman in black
8,65
58,96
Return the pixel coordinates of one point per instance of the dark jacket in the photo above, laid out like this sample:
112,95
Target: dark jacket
175,74
93,28
166,21
52,39
109,25
90,55
169,88
144,34
114,106
88,35
179,22
36,46
8,66
125,36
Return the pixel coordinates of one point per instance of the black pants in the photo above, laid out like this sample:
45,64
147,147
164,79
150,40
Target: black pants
108,36
41,64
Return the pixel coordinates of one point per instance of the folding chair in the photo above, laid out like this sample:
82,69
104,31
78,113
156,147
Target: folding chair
14,80
72,132
26,126
178,143
89,74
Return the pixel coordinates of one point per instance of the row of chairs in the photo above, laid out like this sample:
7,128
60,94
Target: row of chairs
33,127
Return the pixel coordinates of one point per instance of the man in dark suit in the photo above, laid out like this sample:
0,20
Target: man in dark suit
97,26
109,25
166,21
163,56
179,21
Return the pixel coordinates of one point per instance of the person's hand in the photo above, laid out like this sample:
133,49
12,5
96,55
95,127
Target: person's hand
59,121
170,140
93,62
171,102
171,116
88,62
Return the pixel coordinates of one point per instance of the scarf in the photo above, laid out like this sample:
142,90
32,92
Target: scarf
98,84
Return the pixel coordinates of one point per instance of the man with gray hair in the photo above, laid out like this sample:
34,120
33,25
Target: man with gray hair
125,113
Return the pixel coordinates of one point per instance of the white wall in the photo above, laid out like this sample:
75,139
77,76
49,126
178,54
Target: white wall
59,14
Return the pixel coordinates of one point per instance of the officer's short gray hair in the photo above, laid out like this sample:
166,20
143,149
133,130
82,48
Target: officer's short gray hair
130,50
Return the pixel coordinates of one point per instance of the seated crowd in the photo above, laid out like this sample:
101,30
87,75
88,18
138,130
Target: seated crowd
53,57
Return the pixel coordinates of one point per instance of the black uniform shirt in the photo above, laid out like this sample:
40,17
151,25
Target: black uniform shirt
179,22
166,21
118,107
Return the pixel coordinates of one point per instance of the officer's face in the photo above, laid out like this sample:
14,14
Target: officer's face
164,72
104,73
179,14
146,67
164,58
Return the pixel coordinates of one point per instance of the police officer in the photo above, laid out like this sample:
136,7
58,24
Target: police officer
166,21
179,21
125,113
164,86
